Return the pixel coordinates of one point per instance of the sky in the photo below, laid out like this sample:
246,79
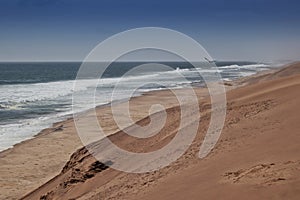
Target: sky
56,30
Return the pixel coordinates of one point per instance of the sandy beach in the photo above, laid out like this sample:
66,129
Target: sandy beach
32,163
257,156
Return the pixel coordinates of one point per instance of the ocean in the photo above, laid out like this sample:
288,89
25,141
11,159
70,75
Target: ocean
34,95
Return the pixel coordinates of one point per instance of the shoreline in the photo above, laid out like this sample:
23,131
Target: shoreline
69,116
84,112
247,162
24,167
62,138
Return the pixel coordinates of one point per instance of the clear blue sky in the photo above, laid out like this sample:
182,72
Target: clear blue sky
260,30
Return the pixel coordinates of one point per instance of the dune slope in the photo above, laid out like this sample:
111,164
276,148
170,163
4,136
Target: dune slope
257,156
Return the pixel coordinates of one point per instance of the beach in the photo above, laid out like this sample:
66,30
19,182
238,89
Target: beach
257,156
33,162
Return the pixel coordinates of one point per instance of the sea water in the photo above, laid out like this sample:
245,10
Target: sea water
33,95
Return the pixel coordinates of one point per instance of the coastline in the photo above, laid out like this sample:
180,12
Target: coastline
33,162
256,157
58,119
64,141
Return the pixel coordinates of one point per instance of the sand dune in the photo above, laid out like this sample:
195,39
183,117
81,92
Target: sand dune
257,156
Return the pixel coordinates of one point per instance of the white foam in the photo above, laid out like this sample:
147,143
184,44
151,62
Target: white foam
16,96
11,134
252,66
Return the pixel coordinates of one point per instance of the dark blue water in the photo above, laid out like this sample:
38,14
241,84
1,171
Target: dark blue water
34,95
42,72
